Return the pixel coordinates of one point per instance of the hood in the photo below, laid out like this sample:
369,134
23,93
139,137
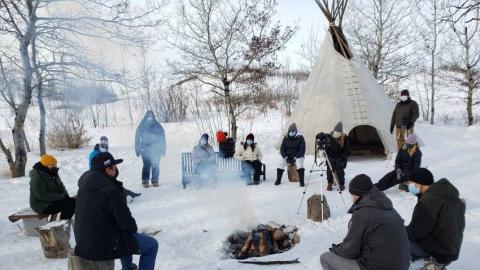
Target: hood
374,198
93,180
445,189
97,147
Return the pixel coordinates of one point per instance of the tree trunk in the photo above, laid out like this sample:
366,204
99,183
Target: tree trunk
432,68
54,238
41,106
470,80
231,111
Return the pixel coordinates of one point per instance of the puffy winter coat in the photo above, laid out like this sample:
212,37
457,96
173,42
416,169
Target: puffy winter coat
245,152
45,188
405,114
104,226
150,138
293,147
338,154
408,163
376,237
95,151
202,153
438,222
227,148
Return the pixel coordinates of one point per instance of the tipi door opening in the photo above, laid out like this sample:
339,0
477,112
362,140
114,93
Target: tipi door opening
365,140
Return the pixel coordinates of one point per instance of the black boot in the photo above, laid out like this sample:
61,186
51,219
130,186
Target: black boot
301,175
279,177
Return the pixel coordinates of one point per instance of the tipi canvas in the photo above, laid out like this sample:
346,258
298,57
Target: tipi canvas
342,89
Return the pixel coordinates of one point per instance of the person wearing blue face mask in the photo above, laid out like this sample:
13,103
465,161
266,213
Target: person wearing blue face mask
251,156
292,151
409,158
203,161
438,219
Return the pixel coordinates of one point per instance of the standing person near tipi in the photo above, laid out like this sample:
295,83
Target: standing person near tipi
338,150
292,151
151,144
403,118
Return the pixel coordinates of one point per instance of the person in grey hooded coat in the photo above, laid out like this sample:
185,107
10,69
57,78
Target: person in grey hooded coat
203,161
376,237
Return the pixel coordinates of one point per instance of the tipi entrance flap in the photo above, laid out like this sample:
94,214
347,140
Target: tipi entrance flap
365,140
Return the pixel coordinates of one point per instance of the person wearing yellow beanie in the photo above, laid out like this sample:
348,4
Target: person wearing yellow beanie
47,192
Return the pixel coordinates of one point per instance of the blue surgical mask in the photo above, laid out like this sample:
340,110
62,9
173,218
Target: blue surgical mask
412,188
249,142
409,145
292,133
203,141
150,118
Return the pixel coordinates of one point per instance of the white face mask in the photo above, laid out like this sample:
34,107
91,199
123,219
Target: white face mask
404,98
336,134
103,149
203,141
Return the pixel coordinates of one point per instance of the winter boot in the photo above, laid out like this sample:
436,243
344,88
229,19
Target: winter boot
155,184
342,187
301,175
329,187
279,177
145,184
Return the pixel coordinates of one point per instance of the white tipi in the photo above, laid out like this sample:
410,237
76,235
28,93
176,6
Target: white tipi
340,88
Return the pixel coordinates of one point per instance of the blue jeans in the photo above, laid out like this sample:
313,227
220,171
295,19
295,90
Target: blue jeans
417,252
148,247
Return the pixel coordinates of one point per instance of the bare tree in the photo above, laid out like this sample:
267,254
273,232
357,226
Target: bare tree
310,47
380,32
431,29
226,44
38,24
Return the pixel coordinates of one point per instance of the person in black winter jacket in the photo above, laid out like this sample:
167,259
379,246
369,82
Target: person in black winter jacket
403,117
104,226
376,237
338,150
438,219
409,158
292,151
150,143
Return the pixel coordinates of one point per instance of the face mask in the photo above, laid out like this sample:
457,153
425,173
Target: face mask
54,170
249,142
103,149
336,134
404,98
412,188
203,141
150,118
292,133
409,145
116,174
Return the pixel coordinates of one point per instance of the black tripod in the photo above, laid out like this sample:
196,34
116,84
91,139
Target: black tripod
322,168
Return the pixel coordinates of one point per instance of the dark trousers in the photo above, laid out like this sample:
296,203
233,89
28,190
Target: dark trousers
150,164
252,166
388,181
66,207
340,172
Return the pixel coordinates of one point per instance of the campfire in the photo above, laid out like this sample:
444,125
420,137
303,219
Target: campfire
262,240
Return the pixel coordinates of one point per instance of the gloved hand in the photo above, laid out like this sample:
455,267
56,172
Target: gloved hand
391,129
291,160
399,174
409,125
333,245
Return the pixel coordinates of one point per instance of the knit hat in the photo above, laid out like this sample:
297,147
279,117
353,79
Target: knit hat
421,176
104,160
48,160
360,185
338,127
404,92
292,127
411,139
250,137
204,136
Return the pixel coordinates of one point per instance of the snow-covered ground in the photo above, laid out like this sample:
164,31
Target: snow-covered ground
195,223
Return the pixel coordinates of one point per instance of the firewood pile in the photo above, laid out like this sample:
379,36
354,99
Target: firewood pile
263,240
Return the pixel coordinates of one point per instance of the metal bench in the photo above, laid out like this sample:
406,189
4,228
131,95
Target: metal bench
226,167
31,220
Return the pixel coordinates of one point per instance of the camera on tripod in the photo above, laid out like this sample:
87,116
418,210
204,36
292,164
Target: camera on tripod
322,141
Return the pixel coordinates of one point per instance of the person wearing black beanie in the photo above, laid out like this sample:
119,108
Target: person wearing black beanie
438,219
251,156
404,116
375,232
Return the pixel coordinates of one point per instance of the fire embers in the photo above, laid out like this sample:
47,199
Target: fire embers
261,241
